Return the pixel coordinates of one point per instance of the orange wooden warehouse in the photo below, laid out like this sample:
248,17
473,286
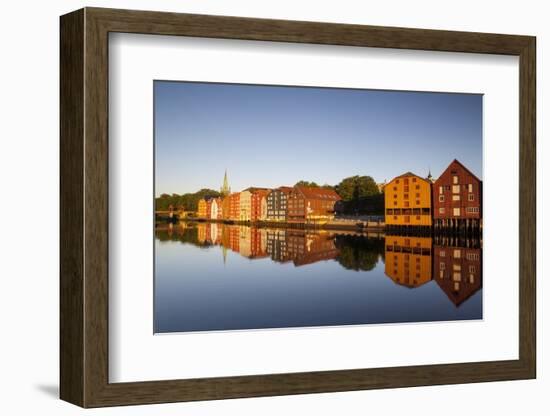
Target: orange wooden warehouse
408,201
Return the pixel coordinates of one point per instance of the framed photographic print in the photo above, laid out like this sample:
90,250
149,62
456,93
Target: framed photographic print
255,207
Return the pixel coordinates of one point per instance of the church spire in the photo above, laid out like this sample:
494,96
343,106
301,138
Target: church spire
430,178
225,189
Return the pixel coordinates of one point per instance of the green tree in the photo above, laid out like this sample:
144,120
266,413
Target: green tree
306,183
189,201
356,187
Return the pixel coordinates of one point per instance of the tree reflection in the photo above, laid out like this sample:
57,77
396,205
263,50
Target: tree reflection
410,261
357,252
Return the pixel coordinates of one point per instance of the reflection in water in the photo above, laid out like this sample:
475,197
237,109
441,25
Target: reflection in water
317,281
457,268
409,260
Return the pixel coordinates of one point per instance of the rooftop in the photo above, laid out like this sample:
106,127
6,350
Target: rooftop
318,193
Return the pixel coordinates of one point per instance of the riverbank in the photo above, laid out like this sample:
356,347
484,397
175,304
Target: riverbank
341,225
346,224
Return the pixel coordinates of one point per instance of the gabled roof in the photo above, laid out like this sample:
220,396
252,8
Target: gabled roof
253,189
409,174
261,192
312,192
285,189
462,166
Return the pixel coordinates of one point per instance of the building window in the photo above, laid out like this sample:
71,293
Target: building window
456,212
442,266
394,202
456,197
470,197
389,211
472,268
417,202
418,217
414,179
406,196
456,189
442,210
440,190
394,196
441,198
470,188
455,179
406,188
456,254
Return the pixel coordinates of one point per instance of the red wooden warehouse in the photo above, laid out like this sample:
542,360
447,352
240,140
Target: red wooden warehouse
311,204
457,199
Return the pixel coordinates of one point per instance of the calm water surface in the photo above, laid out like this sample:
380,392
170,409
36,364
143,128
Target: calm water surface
224,277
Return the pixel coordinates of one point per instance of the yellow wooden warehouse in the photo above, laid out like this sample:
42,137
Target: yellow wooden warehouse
408,201
408,260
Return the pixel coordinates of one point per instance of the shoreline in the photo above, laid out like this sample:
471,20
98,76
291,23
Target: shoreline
359,226
278,224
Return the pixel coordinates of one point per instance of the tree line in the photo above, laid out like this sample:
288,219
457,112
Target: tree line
360,195
188,201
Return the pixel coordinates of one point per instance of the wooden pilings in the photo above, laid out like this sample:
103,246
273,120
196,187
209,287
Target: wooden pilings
457,226
447,226
416,230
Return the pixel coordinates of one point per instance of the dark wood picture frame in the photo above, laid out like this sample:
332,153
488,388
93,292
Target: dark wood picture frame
84,207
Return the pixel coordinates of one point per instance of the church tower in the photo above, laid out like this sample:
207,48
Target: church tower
430,177
225,189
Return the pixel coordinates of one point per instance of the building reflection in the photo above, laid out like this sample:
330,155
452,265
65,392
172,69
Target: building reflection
454,263
281,245
258,242
277,246
457,267
307,248
409,260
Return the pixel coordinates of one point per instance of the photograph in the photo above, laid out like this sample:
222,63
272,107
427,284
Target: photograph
279,207
294,207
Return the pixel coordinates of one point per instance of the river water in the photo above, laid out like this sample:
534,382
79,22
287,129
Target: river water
212,277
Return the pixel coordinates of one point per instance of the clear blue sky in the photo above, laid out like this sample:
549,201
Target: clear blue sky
268,136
